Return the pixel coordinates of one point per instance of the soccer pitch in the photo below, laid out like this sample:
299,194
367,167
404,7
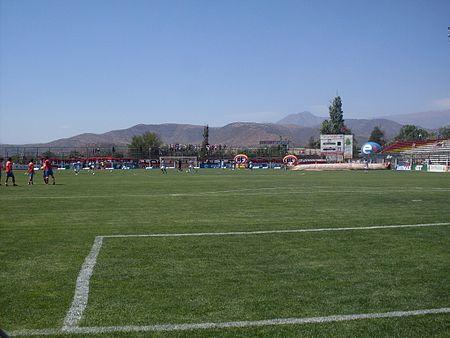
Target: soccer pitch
227,253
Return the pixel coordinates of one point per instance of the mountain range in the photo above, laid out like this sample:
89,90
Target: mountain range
297,128
428,120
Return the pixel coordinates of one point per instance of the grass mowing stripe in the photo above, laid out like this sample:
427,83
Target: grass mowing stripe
224,325
237,192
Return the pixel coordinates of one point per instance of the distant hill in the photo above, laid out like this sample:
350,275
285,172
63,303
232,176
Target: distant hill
430,119
250,134
238,134
305,119
235,134
169,133
297,128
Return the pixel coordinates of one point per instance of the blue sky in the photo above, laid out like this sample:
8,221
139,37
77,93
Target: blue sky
74,66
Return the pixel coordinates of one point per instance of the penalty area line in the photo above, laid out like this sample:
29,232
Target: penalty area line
81,296
225,325
262,232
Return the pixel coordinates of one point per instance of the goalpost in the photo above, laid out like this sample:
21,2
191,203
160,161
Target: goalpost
173,161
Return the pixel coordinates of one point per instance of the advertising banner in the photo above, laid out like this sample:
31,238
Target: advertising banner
437,168
348,146
403,166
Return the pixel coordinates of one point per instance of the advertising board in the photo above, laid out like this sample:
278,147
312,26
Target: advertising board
336,145
437,168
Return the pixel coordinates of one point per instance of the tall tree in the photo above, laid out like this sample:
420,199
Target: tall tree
326,127
205,143
410,132
335,125
144,146
377,135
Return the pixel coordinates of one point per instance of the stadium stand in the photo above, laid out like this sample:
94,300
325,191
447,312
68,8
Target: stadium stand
419,151
403,146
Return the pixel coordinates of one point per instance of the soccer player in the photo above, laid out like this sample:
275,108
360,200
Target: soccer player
48,171
30,172
366,165
76,167
163,166
9,172
191,167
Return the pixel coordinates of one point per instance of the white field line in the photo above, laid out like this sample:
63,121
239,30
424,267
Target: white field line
262,232
81,296
224,325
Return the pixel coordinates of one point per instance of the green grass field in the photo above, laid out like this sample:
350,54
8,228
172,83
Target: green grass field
137,282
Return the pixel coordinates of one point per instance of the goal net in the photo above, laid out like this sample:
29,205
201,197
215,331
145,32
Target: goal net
176,162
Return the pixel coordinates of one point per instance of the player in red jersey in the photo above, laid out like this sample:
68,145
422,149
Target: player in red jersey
30,172
9,172
48,171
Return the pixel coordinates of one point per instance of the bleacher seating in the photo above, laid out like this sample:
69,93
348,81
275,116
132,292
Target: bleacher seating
435,151
403,146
